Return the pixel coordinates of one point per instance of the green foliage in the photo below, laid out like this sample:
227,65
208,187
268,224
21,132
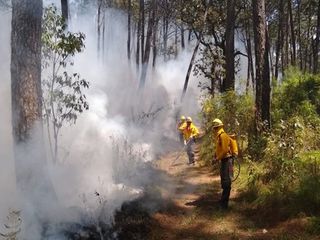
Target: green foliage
63,91
287,175
314,226
235,111
298,95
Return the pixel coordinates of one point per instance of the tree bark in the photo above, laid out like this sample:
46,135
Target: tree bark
280,38
65,10
138,43
182,37
154,44
262,101
142,27
129,31
316,49
30,161
299,35
185,86
228,83
146,55
293,37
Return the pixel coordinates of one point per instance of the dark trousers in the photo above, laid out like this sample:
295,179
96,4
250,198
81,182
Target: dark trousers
225,176
190,150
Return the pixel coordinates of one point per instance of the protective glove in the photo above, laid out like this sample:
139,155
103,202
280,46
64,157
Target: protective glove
185,142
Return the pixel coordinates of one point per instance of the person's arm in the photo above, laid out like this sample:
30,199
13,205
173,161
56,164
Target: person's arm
182,127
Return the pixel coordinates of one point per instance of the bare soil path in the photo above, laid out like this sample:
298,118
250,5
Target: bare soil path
192,211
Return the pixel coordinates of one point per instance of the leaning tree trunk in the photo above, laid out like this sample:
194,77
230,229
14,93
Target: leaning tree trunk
30,161
262,66
228,83
195,51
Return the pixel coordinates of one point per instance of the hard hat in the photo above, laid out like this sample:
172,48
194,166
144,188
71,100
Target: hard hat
217,123
182,118
189,119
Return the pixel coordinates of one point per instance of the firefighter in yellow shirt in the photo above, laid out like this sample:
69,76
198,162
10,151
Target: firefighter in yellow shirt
190,133
223,154
180,127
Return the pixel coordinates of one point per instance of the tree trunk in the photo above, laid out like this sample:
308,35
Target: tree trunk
307,62
30,163
316,48
228,83
176,41
99,27
280,38
262,66
146,55
293,37
185,86
182,37
249,53
129,31
138,44
142,27
165,37
154,44
299,35
64,10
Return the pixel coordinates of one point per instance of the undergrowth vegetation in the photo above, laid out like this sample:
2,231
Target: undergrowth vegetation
284,163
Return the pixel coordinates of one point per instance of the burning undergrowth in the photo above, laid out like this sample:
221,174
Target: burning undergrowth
134,173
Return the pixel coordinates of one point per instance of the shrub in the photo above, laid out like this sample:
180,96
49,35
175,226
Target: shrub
236,112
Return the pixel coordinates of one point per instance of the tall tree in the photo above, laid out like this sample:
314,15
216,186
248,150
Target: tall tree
279,44
228,83
65,10
317,41
32,179
129,30
147,49
262,65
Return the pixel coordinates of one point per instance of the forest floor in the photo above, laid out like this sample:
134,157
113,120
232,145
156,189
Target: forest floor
190,209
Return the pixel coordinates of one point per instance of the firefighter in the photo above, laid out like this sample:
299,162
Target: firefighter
223,154
190,133
181,125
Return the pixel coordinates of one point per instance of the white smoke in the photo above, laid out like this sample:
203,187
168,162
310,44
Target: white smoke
136,124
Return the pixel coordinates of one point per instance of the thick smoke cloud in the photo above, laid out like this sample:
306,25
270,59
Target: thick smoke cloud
100,156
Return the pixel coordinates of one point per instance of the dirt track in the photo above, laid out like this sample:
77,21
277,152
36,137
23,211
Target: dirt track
192,211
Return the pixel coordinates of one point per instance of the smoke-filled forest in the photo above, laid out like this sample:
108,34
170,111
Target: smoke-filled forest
159,119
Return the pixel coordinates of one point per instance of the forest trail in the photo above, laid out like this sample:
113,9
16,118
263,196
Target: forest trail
193,213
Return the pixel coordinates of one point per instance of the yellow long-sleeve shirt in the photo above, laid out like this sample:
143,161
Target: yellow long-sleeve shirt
222,145
189,131
182,126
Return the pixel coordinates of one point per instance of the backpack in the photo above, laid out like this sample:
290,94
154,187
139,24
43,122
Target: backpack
233,145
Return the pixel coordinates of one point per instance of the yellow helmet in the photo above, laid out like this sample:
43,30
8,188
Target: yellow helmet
189,119
182,118
217,123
